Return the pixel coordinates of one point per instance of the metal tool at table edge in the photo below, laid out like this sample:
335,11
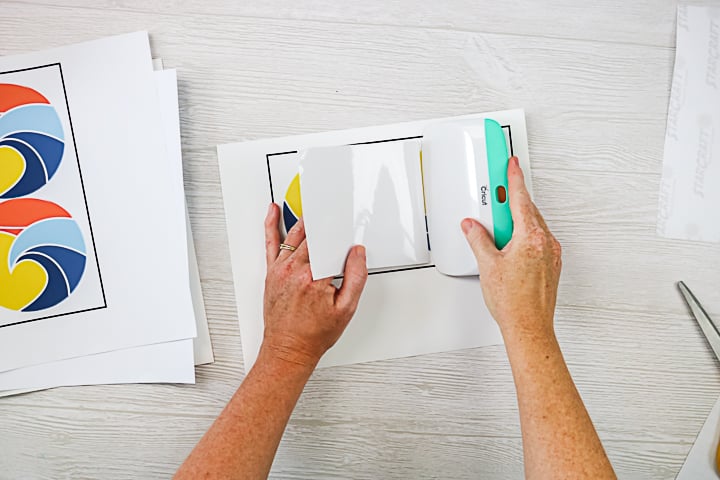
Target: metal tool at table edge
709,329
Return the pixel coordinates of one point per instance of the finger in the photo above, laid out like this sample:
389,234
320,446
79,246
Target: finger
301,255
354,281
480,242
272,233
526,210
294,237
520,201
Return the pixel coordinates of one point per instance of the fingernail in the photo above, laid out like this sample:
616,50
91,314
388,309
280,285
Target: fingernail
515,161
270,208
467,225
360,251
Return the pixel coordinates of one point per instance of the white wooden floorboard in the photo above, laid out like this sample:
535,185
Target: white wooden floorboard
594,78
648,22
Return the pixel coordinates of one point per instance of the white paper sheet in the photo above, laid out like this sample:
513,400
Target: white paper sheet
405,312
700,462
166,362
202,346
690,186
170,110
170,106
170,362
369,195
138,228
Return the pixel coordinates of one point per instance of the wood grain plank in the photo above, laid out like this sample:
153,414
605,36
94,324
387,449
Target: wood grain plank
649,22
428,402
594,79
589,105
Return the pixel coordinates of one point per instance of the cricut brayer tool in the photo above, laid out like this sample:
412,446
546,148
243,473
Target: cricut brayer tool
405,199
464,164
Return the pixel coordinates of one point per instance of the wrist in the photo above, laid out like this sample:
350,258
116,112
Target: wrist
288,354
522,333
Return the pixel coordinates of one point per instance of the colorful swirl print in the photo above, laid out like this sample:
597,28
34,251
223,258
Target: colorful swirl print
292,206
42,254
31,141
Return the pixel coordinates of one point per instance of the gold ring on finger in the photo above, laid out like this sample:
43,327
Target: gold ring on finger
285,246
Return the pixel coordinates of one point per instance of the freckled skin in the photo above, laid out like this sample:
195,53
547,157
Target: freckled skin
519,285
304,318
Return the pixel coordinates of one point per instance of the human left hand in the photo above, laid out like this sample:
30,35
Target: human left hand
304,318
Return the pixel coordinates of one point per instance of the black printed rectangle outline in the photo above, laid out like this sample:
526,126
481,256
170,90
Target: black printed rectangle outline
394,270
87,209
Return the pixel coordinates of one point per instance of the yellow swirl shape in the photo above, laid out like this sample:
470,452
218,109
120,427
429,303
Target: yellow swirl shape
24,283
13,167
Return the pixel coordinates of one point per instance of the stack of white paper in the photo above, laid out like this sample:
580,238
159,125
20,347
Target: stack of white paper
98,276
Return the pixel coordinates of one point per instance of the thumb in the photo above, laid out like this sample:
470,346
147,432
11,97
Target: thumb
354,279
480,241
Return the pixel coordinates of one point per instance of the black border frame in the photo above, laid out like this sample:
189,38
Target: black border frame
87,208
391,270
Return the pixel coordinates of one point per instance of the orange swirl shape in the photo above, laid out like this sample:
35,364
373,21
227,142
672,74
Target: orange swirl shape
31,141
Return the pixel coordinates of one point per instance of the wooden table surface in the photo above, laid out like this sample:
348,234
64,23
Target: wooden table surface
594,78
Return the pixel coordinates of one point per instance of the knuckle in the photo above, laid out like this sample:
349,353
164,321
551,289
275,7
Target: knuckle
305,276
296,229
341,309
345,310
536,238
556,247
527,211
541,242
285,270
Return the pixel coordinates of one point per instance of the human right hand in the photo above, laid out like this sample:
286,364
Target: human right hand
519,284
520,281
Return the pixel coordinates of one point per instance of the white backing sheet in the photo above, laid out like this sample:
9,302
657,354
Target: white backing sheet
690,186
377,201
403,312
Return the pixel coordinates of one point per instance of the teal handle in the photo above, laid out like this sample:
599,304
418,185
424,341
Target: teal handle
497,155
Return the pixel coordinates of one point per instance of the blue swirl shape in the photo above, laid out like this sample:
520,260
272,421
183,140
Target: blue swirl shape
289,218
36,133
32,118
57,245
